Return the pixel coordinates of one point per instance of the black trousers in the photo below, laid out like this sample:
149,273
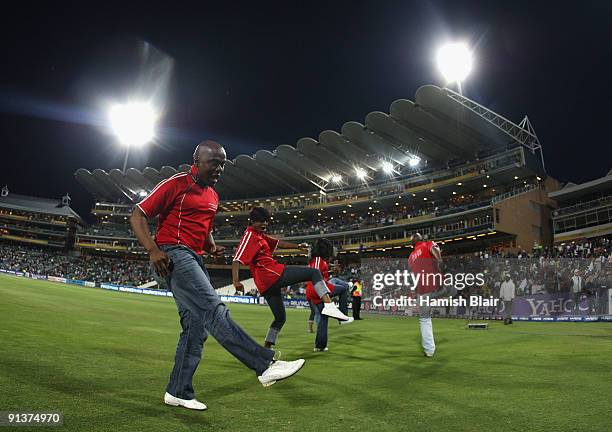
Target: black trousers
356,307
274,298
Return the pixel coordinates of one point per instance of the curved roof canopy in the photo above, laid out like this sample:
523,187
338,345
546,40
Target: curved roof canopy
436,128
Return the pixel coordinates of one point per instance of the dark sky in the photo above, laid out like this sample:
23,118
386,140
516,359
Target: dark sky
260,74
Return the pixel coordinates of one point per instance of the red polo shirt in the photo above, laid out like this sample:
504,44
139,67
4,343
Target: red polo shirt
255,250
186,211
421,261
321,265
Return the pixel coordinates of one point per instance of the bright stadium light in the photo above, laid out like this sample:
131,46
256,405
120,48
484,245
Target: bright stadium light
360,173
336,178
414,161
387,167
133,124
142,193
455,62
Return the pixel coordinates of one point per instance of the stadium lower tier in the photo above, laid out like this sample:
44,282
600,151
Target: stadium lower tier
566,280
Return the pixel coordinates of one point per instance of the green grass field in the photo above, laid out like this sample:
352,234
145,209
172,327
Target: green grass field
103,358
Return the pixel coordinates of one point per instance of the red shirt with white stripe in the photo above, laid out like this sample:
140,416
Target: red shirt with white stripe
321,265
186,211
422,262
255,250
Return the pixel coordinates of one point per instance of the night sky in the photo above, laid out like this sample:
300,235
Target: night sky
260,74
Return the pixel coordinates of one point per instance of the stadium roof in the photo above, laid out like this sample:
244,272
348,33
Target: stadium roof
439,127
37,205
572,190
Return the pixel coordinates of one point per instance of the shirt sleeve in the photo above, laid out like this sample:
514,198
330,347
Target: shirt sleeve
247,248
324,269
161,198
272,242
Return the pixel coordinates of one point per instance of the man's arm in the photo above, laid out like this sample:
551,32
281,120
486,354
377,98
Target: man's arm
140,226
236,276
287,245
437,255
212,247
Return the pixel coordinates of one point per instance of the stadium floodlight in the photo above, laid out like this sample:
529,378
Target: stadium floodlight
133,124
455,62
336,178
414,161
387,167
361,173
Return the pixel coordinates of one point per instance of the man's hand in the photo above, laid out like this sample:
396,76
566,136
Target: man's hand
217,251
160,261
238,286
304,246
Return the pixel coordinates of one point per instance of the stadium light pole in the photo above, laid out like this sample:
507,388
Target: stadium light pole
454,62
133,124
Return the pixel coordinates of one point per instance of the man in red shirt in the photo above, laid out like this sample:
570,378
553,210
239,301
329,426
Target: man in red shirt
255,250
424,261
186,204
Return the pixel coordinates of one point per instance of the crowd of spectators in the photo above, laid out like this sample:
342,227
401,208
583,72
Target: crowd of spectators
583,267
348,221
96,269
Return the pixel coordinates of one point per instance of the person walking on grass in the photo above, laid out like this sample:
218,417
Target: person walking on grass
186,204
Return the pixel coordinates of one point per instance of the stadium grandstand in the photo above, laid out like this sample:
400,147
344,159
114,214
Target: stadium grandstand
443,166
38,221
584,210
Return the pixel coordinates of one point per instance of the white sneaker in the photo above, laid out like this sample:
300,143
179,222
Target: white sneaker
348,321
279,370
331,310
319,349
428,354
193,404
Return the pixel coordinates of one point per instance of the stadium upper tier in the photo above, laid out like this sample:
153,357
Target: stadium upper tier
495,172
441,129
584,210
26,219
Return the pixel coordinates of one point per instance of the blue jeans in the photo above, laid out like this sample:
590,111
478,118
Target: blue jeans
341,290
202,312
322,321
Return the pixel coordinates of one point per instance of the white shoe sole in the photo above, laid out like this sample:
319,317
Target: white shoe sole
350,320
335,314
268,384
176,404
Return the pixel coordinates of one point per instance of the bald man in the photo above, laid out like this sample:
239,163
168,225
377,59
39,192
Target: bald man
186,204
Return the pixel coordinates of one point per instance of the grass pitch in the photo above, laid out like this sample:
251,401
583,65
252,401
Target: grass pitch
103,359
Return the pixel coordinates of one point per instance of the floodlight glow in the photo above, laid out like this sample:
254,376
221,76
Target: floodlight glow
414,161
387,167
133,123
454,61
336,178
360,173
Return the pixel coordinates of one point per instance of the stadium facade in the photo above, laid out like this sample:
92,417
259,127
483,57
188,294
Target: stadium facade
584,210
443,166
38,221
